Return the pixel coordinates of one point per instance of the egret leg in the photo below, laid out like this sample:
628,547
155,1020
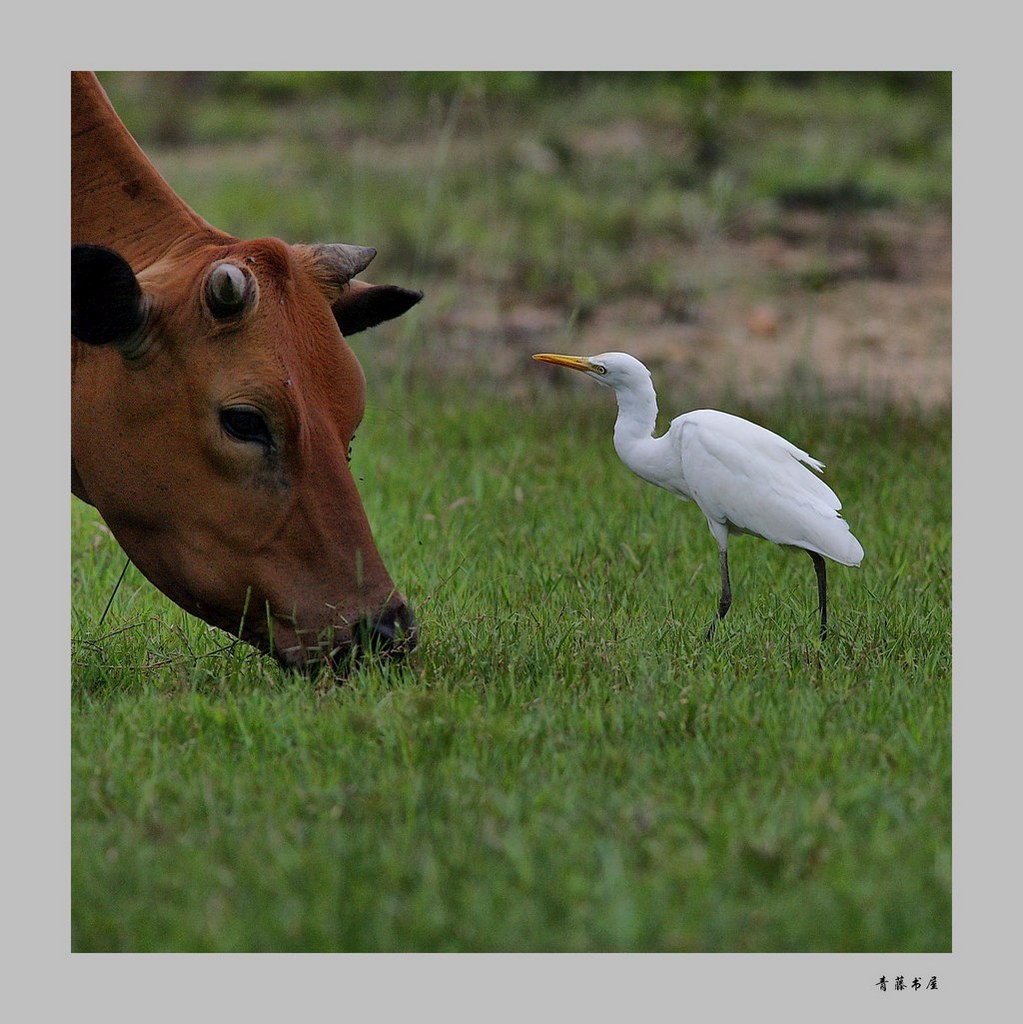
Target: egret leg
726,593
822,589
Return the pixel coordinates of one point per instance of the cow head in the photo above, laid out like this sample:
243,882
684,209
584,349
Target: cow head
214,402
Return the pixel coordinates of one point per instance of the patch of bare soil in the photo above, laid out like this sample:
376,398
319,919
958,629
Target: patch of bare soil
855,310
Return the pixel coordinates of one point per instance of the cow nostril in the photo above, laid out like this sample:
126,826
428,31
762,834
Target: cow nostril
393,633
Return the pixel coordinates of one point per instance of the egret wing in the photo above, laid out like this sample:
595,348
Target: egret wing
754,481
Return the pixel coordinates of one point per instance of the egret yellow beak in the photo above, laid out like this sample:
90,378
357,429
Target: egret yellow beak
572,362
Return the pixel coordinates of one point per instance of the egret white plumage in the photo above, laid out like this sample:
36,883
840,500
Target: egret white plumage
743,477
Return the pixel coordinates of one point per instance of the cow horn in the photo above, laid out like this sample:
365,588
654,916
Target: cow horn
227,286
345,260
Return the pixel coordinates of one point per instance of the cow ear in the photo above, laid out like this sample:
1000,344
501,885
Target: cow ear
361,305
107,304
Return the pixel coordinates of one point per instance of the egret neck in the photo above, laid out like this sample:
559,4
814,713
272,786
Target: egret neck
647,456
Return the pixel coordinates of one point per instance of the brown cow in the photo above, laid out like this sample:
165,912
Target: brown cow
213,403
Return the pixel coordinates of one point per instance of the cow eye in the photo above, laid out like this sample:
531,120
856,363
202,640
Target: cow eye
244,423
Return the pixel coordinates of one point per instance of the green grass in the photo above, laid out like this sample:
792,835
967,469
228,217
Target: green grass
564,764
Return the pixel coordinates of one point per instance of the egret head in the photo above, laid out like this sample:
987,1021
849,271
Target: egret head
616,370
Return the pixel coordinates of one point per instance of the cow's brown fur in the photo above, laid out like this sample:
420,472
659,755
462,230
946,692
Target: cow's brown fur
269,543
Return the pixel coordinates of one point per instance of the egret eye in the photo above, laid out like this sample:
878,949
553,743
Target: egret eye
246,424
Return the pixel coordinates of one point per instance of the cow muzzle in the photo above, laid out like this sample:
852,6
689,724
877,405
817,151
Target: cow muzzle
390,633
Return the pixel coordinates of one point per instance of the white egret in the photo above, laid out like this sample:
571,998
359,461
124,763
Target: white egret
743,477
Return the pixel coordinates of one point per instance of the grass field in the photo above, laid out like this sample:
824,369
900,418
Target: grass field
564,763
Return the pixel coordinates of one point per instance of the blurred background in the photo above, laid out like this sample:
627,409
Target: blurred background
751,236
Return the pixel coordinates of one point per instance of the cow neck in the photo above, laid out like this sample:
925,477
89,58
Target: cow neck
118,198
